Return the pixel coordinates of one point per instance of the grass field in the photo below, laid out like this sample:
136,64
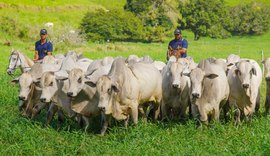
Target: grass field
21,136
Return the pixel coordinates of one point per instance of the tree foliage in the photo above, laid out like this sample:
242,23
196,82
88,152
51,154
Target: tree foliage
158,16
252,18
115,25
204,18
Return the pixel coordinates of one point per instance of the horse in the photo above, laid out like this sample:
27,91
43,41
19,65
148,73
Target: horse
18,60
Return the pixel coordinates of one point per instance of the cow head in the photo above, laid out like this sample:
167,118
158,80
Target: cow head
176,70
77,80
105,90
49,86
197,77
244,71
26,85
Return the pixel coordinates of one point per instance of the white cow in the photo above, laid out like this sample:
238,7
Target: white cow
125,87
245,80
175,89
209,90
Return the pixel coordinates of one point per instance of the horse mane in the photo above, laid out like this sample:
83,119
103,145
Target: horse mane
27,59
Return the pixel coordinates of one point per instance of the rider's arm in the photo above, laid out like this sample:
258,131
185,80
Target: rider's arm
184,47
50,49
36,56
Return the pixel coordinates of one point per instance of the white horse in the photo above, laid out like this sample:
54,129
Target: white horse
18,60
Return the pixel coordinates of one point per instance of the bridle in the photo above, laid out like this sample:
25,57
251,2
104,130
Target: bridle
15,64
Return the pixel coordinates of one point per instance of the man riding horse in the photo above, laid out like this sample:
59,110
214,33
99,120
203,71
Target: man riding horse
178,46
42,46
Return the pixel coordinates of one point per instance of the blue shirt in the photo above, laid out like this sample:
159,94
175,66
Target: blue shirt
43,49
181,43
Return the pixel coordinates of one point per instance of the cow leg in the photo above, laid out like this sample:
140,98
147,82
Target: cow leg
196,115
126,122
51,112
237,116
61,117
105,119
258,99
226,109
134,113
142,112
216,114
164,111
267,104
155,110
203,116
37,108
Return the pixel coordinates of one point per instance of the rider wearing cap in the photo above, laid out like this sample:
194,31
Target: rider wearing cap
179,42
43,47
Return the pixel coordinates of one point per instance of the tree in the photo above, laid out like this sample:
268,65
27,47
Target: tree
158,16
252,18
204,18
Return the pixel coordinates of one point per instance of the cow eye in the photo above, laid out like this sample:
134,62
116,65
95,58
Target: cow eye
80,80
51,84
109,90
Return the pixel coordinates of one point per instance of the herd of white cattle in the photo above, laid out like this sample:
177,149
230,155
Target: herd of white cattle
119,88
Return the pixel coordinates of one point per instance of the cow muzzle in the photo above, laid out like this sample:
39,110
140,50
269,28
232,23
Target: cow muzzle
70,94
175,85
22,98
195,95
10,72
245,86
102,109
43,100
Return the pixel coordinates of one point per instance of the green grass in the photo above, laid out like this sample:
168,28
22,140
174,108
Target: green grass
21,136
236,2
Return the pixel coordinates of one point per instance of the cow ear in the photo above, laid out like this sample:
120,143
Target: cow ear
253,71
90,83
15,81
115,89
211,76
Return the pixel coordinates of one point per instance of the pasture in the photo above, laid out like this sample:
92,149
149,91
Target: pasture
22,136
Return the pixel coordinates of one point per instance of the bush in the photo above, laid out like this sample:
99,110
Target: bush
113,25
252,18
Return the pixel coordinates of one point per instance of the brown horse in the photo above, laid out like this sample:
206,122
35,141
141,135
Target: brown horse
174,52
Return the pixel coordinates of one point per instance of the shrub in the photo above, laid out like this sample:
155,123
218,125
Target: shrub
113,25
